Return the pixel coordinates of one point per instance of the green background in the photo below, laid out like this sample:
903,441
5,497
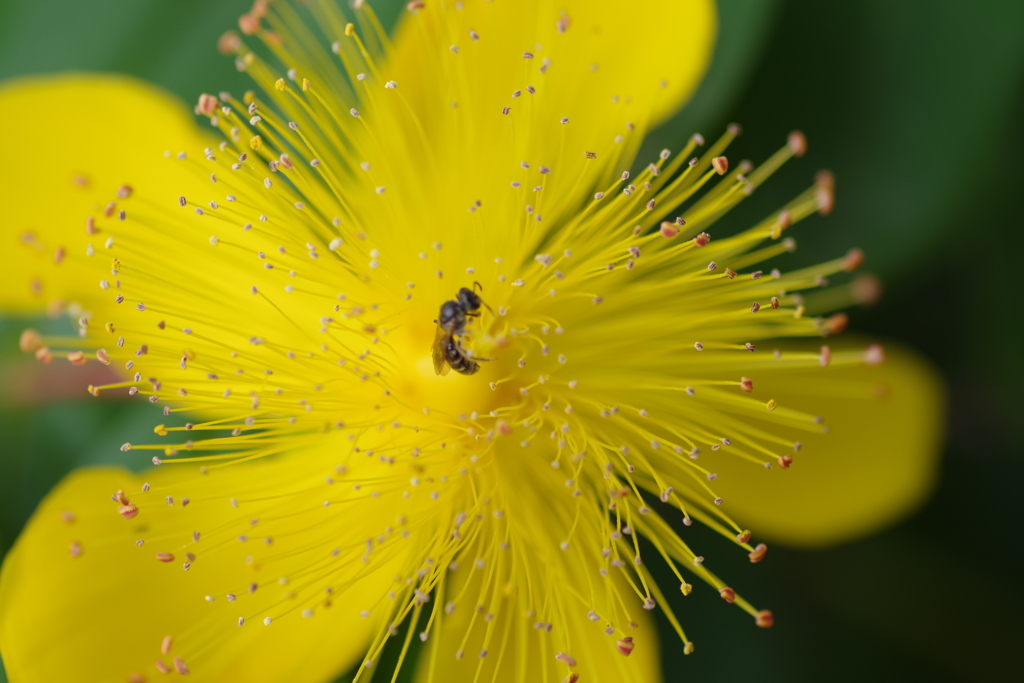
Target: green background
918,109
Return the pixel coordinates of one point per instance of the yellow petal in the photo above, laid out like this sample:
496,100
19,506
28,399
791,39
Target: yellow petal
523,91
75,139
651,57
877,463
103,615
522,650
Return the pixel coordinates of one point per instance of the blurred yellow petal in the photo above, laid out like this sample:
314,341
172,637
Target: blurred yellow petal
74,139
519,649
877,463
571,77
650,59
77,578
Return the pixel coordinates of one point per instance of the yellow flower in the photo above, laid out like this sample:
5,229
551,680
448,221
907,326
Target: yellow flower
278,291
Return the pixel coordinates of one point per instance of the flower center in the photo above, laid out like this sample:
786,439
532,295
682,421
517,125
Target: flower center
451,395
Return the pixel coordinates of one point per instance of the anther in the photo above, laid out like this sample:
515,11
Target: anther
625,646
758,553
764,619
207,105
874,354
836,323
721,165
854,259
566,659
797,143
746,384
866,289
728,594
825,186
30,341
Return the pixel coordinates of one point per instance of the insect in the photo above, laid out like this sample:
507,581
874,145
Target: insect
451,324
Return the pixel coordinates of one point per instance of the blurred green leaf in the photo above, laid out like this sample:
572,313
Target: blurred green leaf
172,44
745,27
905,102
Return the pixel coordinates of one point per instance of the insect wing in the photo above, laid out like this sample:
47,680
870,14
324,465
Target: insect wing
437,351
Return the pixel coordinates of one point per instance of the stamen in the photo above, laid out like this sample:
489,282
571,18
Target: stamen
545,475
